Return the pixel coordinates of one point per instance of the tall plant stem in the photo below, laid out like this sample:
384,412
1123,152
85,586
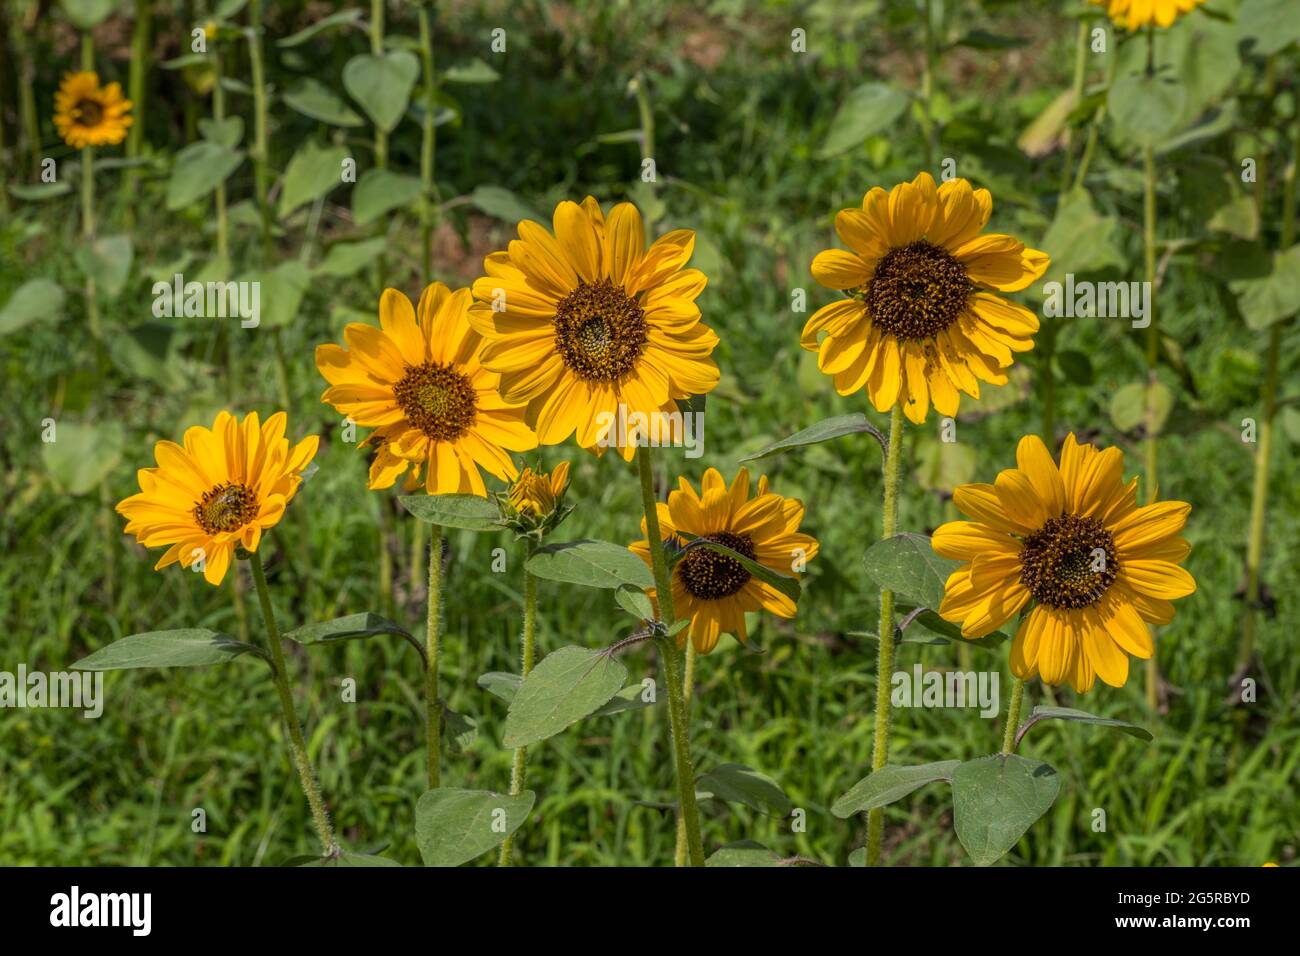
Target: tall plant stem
1263,454
218,115
526,657
927,88
688,693
377,49
1047,350
432,641
428,144
137,70
297,745
1149,445
687,811
261,151
1076,90
88,200
885,660
1013,715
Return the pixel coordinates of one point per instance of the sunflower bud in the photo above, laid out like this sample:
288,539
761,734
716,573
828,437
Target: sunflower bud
534,503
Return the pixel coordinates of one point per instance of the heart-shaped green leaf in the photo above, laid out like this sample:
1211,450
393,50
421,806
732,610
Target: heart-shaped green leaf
593,564
889,784
382,85
996,799
569,684
469,512
454,826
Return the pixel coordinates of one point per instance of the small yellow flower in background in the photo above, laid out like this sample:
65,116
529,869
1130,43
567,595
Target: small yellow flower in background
87,114
587,319
218,490
418,382
537,494
1073,541
1135,14
712,589
923,321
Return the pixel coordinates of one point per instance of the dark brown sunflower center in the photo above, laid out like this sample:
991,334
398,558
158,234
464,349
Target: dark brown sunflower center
708,574
437,399
1069,562
600,331
227,507
917,291
88,112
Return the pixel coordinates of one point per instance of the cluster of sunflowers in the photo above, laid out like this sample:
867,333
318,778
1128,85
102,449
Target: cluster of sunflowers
584,323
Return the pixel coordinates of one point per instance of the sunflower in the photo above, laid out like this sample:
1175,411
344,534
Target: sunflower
1135,14
587,320
87,114
218,490
712,589
537,494
1071,542
922,320
419,384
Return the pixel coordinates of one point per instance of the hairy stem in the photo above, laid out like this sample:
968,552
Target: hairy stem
432,638
526,658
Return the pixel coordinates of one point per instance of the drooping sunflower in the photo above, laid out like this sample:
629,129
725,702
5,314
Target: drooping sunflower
87,114
713,589
418,382
1071,542
923,320
587,319
1135,14
217,490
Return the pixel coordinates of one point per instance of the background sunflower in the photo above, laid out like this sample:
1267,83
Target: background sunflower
87,114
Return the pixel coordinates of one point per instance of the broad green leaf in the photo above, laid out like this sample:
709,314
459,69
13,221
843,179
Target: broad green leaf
889,784
351,627
34,300
1146,108
635,601
82,454
148,351
825,430
312,98
349,258
631,697
84,14
907,565
340,19
1082,716
996,799
593,564
454,826
475,71
504,205
107,260
280,292
382,85
380,191
501,684
228,133
870,108
1276,296
198,170
1128,406
187,647
454,511
943,465
458,731
1080,239
785,583
1268,26
738,784
312,172
744,853
569,684
858,857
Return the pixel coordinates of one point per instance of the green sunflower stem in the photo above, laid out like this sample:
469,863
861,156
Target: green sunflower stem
428,144
688,812
688,692
297,745
1150,451
527,656
885,660
432,639
927,88
1264,453
377,49
1013,715
260,151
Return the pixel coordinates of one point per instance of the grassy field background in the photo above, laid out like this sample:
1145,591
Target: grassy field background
740,120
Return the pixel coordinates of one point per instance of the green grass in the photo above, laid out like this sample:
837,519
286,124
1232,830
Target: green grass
737,147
